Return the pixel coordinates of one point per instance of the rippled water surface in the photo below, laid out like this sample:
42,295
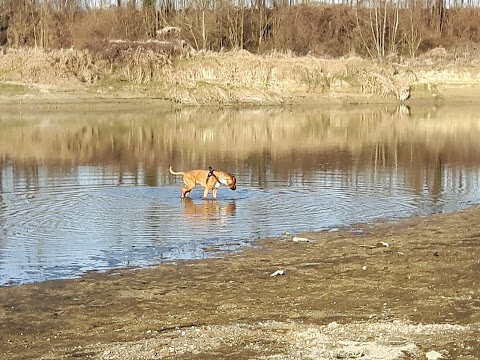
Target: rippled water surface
88,188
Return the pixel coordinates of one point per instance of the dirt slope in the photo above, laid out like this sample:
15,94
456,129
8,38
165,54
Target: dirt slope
239,78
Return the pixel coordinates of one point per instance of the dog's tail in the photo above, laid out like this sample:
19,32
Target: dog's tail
175,172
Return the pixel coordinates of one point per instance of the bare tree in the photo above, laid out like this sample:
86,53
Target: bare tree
438,13
412,34
149,16
234,23
383,22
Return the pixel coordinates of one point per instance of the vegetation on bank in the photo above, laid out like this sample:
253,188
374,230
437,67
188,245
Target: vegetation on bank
150,42
12,89
376,28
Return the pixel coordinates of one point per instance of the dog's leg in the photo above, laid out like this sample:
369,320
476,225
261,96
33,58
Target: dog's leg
214,192
185,192
189,185
205,193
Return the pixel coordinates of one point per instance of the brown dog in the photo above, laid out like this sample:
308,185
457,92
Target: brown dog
210,179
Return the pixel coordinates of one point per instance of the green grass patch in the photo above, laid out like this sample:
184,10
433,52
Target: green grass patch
12,89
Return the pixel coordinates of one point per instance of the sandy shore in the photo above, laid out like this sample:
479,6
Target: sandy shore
403,289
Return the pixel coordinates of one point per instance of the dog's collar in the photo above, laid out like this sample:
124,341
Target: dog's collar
211,173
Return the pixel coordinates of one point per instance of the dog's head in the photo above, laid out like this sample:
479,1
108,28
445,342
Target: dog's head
232,182
224,178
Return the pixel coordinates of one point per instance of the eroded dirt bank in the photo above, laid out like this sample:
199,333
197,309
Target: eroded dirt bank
240,77
343,295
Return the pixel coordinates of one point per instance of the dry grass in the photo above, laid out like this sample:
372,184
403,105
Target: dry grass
385,82
241,77
233,77
137,62
173,72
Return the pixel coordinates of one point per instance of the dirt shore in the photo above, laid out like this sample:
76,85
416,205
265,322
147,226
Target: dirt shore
403,289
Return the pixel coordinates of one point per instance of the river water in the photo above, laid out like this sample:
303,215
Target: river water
87,187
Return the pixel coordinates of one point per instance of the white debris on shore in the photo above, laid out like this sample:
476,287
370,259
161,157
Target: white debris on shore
379,340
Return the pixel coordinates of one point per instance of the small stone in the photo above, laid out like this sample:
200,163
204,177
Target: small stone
278,272
298,239
433,355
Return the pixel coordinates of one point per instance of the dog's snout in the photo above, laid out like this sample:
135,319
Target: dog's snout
234,187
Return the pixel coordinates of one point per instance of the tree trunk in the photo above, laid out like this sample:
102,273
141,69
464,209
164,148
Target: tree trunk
440,13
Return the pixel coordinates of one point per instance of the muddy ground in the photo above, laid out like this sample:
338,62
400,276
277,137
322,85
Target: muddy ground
404,289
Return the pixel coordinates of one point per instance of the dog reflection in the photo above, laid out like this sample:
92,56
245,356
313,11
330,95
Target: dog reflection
207,209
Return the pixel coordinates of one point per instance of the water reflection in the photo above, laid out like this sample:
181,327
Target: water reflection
207,210
91,189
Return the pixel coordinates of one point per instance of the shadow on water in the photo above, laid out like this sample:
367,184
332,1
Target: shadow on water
90,190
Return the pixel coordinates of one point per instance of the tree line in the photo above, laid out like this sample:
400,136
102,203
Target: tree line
375,28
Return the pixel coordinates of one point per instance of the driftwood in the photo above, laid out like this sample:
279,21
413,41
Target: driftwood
168,42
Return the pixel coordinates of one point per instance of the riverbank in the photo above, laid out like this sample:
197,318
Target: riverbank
241,78
391,290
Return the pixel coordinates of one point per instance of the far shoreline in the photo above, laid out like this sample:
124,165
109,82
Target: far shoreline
237,79
80,100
